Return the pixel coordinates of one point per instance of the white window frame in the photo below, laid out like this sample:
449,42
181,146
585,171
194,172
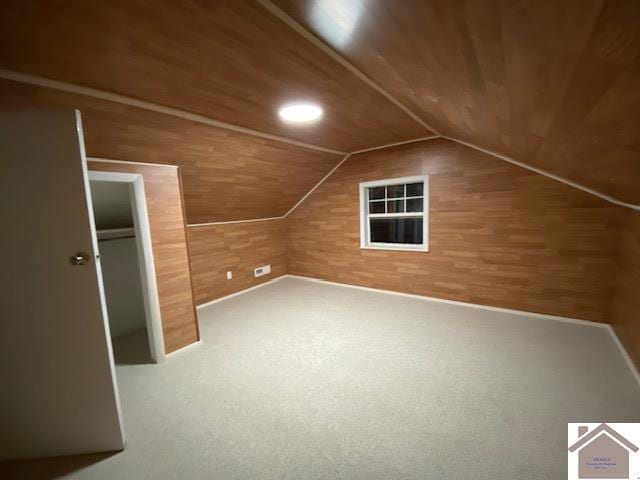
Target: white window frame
365,215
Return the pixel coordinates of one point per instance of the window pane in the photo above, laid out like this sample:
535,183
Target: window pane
415,189
376,207
396,230
395,191
376,193
395,206
414,205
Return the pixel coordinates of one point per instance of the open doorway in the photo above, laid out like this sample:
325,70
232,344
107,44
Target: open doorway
128,273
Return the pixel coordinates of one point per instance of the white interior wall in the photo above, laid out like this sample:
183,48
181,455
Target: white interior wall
119,256
111,204
122,285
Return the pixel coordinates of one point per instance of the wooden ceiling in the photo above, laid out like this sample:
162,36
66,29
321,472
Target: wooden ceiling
229,60
226,175
555,84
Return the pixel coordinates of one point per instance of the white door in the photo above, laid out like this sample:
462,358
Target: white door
58,393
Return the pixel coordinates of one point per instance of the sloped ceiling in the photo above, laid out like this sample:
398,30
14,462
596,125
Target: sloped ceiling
226,175
229,60
553,84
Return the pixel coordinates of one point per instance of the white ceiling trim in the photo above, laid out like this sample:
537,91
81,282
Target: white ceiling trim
116,98
342,61
109,160
133,102
389,145
558,178
475,147
317,185
299,202
234,221
336,56
381,147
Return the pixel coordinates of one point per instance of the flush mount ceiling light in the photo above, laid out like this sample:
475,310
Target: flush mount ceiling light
300,112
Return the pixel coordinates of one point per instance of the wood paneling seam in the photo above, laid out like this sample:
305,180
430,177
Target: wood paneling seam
186,347
133,102
479,306
574,122
547,174
235,221
339,58
241,292
276,11
186,236
625,353
317,185
396,144
110,160
63,86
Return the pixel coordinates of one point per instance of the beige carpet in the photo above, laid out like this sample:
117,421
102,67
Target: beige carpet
301,380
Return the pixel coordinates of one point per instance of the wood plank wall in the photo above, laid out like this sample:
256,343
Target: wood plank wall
500,235
227,175
171,258
625,308
239,247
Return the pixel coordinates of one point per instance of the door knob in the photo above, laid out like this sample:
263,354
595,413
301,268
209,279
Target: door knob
80,258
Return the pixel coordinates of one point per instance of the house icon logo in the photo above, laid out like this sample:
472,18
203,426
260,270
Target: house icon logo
603,452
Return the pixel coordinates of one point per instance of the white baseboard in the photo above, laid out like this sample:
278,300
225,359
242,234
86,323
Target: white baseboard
239,292
462,304
186,347
625,354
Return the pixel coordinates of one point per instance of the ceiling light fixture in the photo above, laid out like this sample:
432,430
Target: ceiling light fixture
300,112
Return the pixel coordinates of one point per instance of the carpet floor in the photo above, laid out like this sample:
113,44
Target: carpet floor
304,380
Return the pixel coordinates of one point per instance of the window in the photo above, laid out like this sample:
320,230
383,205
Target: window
394,214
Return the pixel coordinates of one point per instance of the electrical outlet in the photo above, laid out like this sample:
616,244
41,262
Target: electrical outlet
229,275
263,270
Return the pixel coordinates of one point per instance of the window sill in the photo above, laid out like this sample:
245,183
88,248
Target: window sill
420,249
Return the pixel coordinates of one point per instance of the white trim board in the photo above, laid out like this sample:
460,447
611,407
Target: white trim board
396,144
625,354
90,92
318,184
277,12
186,347
110,160
134,102
239,292
381,147
475,147
193,225
366,216
523,313
558,178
